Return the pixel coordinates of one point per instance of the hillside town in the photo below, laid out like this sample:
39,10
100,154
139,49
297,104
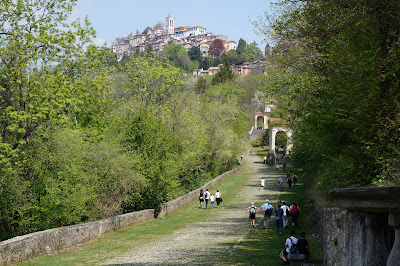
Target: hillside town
159,38
185,36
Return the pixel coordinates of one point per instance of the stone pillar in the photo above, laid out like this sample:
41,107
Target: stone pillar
394,256
272,134
376,252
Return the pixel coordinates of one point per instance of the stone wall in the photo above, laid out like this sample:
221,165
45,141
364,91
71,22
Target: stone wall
49,241
363,228
171,206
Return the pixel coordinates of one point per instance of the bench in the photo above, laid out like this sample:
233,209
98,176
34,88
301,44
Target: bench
296,259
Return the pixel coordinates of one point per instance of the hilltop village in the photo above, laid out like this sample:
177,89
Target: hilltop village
186,36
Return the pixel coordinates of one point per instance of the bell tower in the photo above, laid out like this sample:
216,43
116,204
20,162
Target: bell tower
169,24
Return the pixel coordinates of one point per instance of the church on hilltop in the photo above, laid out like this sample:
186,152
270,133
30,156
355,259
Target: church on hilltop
157,39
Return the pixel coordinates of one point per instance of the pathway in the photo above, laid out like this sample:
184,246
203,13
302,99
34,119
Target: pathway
229,225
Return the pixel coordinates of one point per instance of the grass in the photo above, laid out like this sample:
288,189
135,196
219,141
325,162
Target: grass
262,247
259,247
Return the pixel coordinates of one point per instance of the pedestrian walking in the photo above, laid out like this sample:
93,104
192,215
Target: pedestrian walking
280,181
207,197
286,213
218,198
294,212
278,220
294,179
252,209
212,199
201,198
277,167
289,181
267,208
241,157
265,159
262,184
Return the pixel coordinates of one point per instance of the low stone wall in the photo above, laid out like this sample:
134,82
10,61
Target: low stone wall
171,206
40,243
45,242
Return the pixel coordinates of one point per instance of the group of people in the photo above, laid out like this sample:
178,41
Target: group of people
208,197
281,220
289,180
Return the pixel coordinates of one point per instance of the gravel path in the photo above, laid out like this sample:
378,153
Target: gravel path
218,235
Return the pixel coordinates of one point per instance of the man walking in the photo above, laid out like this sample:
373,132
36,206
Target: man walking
267,208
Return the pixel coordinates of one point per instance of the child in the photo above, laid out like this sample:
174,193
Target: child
212,198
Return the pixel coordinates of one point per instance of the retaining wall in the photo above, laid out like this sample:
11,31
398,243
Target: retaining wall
36,244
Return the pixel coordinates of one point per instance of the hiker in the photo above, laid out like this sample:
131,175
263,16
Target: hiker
252,209
289,181
265,159
286,212
241,157
277,167
207,197
212,199
280,180
218,198
303,246
290,247
262,184
278,219
201,198
284,167
294,211
267,208
294,179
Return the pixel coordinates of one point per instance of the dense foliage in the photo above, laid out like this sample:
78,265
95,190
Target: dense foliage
336,70
83,137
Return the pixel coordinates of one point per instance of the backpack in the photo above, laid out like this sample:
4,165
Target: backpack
253,209
293,248
294,209
279,213
268,211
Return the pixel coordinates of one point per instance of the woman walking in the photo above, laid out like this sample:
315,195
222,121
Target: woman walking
201,198
218,198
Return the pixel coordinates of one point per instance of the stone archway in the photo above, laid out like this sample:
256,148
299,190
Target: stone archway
272,135
260,122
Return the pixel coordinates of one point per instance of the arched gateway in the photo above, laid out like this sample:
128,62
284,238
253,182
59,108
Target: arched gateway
273,130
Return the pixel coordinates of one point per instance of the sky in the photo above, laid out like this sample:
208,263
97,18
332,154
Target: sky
118,18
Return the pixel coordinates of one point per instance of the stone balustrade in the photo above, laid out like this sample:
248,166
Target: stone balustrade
363,228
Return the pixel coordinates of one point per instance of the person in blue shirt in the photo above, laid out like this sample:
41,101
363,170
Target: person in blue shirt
267,208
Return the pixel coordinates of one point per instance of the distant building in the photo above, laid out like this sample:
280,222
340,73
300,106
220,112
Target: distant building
182,35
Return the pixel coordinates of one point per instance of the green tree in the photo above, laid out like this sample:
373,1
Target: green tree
241,45
224,73
336,68
195,54
251,53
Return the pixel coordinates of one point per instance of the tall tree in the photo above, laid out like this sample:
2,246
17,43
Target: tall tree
338,71
224,73
241,45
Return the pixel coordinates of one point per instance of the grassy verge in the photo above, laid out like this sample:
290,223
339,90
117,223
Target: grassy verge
262,247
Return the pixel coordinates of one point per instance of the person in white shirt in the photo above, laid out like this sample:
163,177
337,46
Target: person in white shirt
292,240
262,184
207,197
281,183
218,198
285,209
212,199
